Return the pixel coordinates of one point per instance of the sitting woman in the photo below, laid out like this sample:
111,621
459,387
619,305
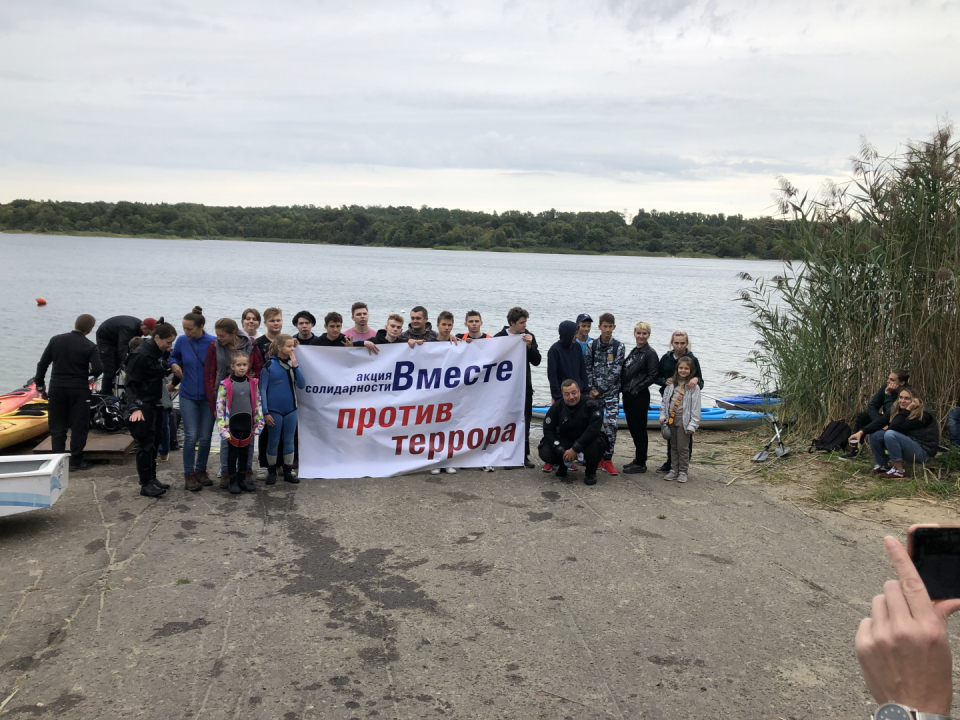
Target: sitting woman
910,433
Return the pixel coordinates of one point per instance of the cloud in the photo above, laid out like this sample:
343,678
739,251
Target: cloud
606,90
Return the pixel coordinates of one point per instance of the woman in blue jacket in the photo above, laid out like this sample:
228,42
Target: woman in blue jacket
278,399
187,362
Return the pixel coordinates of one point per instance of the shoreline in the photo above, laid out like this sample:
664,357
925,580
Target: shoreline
447,248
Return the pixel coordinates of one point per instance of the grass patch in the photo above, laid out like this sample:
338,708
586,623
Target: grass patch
841,485
182,581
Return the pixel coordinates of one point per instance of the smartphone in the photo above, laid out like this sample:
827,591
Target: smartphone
935,550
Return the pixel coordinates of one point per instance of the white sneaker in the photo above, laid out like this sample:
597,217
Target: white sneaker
580,459
489,468
435,471
672,475
682,477
451,471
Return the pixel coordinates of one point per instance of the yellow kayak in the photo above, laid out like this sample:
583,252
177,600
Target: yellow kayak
25,423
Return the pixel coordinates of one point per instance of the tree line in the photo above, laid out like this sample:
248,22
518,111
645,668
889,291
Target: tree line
648,232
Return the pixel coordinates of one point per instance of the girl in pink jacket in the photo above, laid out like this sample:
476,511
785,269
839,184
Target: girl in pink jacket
239,420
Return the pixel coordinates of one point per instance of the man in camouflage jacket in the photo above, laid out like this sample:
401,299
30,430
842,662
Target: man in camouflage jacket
604,361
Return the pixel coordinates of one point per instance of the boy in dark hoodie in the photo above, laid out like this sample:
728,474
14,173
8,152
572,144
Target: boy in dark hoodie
385,336
565,361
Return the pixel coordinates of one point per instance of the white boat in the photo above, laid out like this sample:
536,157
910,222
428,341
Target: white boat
31,482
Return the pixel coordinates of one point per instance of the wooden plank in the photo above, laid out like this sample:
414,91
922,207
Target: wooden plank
113,447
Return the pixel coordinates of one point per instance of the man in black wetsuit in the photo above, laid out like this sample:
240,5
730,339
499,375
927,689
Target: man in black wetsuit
113,341
75,360
573,426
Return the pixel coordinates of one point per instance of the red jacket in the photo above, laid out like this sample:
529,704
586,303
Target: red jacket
210,385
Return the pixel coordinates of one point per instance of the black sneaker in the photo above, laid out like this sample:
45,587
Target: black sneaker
165,486
234,485
151,490
852,455
590,479
561,470
82,465
271,476
665,467
288,475
528,463
634,468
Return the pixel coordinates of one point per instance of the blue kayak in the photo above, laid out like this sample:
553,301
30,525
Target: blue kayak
760,400
711,418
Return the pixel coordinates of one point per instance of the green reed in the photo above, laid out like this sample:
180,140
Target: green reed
874,286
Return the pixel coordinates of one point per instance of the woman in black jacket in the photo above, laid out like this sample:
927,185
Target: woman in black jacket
640,370
910,433
146,371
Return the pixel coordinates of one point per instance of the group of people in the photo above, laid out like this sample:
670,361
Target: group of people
244,384
898,426
588,377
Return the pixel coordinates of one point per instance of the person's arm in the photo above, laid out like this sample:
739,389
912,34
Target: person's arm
132,383
298,378
903,647
176,358
693,396
661,373
550,423
875,406
256,362
906,425
124,336
222,422
257,414
42,366
594,427
651,369
533,352
584,385
879,424
699,372
552,375
588,368
664,401
264,405
95,363
210,376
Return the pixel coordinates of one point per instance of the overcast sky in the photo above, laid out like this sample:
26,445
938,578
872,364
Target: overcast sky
579,105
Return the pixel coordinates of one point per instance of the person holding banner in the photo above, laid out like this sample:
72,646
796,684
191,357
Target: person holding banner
332,337
574,426
517,318
278,400
419,330
385,336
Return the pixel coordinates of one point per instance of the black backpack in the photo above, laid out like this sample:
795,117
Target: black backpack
833,437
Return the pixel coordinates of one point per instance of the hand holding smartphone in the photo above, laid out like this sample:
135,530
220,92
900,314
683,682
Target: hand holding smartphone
935,551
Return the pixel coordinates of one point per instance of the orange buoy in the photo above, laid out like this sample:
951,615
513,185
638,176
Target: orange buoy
41,302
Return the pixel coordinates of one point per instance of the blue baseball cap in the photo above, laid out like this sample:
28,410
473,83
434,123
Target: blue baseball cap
583,317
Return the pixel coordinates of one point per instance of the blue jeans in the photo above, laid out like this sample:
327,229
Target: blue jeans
197,427
953,426
283,428
899,446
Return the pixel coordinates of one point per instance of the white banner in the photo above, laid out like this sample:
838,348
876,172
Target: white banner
406,409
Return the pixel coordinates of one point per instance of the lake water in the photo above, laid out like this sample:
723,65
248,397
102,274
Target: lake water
153,278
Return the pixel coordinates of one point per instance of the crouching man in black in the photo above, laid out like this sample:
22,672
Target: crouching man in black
574,426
